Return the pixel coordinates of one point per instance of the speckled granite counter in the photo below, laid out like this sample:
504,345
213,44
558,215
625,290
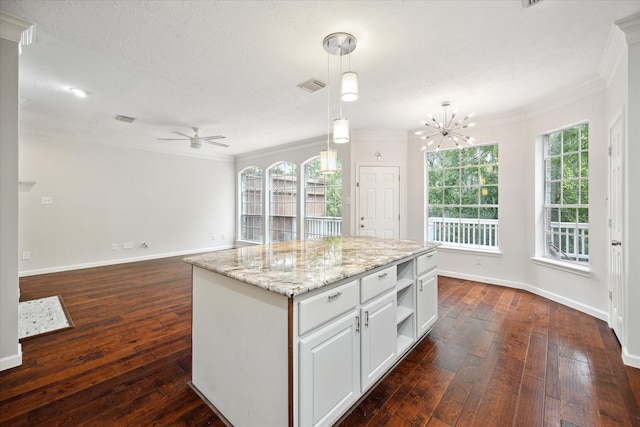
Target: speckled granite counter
295,267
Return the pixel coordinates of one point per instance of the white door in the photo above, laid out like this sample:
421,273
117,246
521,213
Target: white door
329,372
427,306
616,209
379,338
379,201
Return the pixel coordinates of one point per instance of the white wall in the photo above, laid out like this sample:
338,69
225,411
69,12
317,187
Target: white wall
10,350
104,195
518,214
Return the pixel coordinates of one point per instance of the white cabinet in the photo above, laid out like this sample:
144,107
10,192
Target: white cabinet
427,301
329,371
378,342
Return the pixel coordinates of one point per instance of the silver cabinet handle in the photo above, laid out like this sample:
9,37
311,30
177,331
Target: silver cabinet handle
382,276
421,285
334,296
616,243
357,324
366,319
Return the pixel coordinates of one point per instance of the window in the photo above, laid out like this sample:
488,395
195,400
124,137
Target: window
251,209
566,194
283,205
462,197
323,201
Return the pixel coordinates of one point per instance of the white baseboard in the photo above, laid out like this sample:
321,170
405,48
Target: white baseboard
630,359
591,311
119,261
12,361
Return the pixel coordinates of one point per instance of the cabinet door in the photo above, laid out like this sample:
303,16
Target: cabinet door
379,338
329,380
427,301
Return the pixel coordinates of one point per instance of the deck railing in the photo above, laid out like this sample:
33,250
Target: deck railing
318,226
566,240
569,240
464,231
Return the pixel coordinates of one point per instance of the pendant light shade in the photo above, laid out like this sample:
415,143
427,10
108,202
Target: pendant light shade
328,161
349,87
341,131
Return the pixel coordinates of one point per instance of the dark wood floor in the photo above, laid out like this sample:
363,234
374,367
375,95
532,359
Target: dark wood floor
497,356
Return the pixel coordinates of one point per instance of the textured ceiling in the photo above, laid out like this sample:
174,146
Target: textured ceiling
231,67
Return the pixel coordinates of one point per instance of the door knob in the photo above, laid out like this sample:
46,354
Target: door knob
616,243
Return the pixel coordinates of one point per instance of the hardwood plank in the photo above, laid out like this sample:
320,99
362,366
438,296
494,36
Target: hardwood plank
496,356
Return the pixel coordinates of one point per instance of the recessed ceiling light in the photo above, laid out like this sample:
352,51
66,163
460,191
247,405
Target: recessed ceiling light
79,92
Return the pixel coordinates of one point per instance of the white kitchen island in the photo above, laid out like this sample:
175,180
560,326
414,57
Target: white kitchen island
295,333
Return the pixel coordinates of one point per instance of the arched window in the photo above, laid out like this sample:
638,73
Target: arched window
283,201
251,207
322,201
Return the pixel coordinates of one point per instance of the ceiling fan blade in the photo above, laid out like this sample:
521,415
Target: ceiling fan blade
173,139
208,138
182,134
221,144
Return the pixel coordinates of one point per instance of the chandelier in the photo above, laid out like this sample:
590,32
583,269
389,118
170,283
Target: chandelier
446,129
341,44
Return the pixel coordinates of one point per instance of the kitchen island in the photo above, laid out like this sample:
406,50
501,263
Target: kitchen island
295,333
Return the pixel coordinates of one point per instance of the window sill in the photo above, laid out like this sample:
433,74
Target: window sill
470,251
581,270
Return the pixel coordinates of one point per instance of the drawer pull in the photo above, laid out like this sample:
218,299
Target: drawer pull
383,275
334,296
430,256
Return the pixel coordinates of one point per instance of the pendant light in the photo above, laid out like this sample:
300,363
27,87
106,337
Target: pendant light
342,44
328,157
349,82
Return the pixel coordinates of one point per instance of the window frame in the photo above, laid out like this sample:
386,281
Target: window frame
331,227
556,245
465,230
260,196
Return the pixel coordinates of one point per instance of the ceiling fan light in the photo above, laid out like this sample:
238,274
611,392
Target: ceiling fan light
328,161
349,86
341,131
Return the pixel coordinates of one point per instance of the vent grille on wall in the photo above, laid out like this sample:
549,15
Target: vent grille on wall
528,3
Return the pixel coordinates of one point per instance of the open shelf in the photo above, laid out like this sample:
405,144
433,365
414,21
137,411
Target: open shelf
403,313
404,343
403,283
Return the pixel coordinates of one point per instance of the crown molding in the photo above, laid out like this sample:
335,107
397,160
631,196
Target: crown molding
631,28
613,53
12,27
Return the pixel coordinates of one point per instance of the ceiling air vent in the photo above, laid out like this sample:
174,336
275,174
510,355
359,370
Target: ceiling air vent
311,85
529,3
125,119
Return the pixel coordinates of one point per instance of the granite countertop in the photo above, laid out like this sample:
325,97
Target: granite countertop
298,266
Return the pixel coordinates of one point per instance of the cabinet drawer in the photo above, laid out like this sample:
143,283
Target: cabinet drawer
427,261
376,283
328,305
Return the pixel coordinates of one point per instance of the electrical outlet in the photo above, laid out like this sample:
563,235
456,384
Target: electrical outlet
127,245
47,200
224,236
26,255
114,246
213,237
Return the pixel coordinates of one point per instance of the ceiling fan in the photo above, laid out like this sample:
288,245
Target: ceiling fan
197,140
